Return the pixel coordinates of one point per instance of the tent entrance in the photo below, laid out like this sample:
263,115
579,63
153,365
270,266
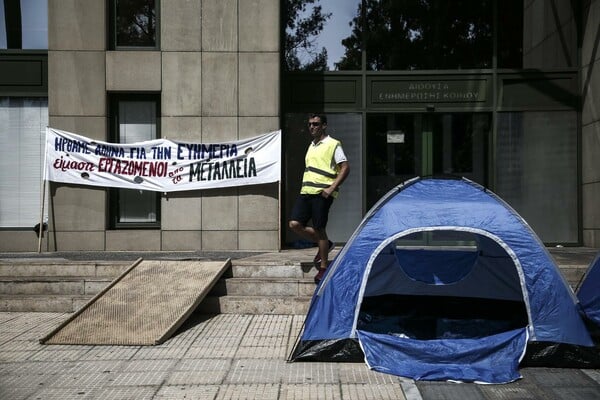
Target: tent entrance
443,317
443,292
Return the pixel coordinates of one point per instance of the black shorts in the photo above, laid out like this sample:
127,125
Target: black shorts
312,207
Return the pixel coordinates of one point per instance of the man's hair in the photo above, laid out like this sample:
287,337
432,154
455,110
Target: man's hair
322,117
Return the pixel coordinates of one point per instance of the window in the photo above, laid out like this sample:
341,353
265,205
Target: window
24,24
135,118
510,34
327,35
323,35
133,24
23,124
419,35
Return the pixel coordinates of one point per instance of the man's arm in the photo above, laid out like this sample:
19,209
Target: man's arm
341,177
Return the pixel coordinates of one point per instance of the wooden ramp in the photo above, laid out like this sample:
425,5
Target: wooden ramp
144,306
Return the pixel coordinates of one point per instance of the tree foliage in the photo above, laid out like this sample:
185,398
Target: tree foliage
420,34
304,21
394,35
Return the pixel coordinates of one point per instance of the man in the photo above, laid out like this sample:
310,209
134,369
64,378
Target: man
326,167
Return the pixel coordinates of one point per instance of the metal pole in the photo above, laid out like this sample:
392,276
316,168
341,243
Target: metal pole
43,194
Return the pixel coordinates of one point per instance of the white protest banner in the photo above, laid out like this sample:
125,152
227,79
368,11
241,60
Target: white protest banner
162,165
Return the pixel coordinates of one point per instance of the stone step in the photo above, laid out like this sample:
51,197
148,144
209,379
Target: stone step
54,285
42,268
264,287
573,274
42,303
302,270
254,305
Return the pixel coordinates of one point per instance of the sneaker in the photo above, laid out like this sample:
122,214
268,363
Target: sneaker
319,275
317,259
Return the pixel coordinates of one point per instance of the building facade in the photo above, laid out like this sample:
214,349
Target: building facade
504,93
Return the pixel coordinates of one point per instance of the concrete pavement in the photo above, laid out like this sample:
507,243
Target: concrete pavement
231,356
219,357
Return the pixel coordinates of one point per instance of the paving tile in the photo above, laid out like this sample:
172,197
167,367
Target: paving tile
410,389
372,392
143,378
255,370
449,391
16,393
22,367
360,373
25,380
65,394
111,353
214,377
511,392
211,352
184,339
59,355
310,392
263,347
199,371
158,352
274,352
65,347
263,341
593,373
214,347
19,345
311,372
226,325
8,356
93,366
147,365
176,392
557,376
29,326
269,325
202,364
78,380
127,392
576,393
248,392
7,336
7,316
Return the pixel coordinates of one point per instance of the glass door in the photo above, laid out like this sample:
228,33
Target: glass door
401,146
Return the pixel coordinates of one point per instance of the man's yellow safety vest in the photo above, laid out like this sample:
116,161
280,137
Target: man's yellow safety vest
320,167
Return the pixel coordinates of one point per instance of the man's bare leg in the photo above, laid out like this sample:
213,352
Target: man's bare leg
323,244
318,236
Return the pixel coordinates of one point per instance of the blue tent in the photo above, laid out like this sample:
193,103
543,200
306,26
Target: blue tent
464,309
589,292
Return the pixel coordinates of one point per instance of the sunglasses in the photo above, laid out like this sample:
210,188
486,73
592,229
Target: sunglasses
315,123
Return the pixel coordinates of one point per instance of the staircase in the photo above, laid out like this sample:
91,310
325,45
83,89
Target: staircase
53,285
270,283
248,287
262,289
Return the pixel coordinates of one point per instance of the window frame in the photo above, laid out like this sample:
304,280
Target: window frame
114,99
